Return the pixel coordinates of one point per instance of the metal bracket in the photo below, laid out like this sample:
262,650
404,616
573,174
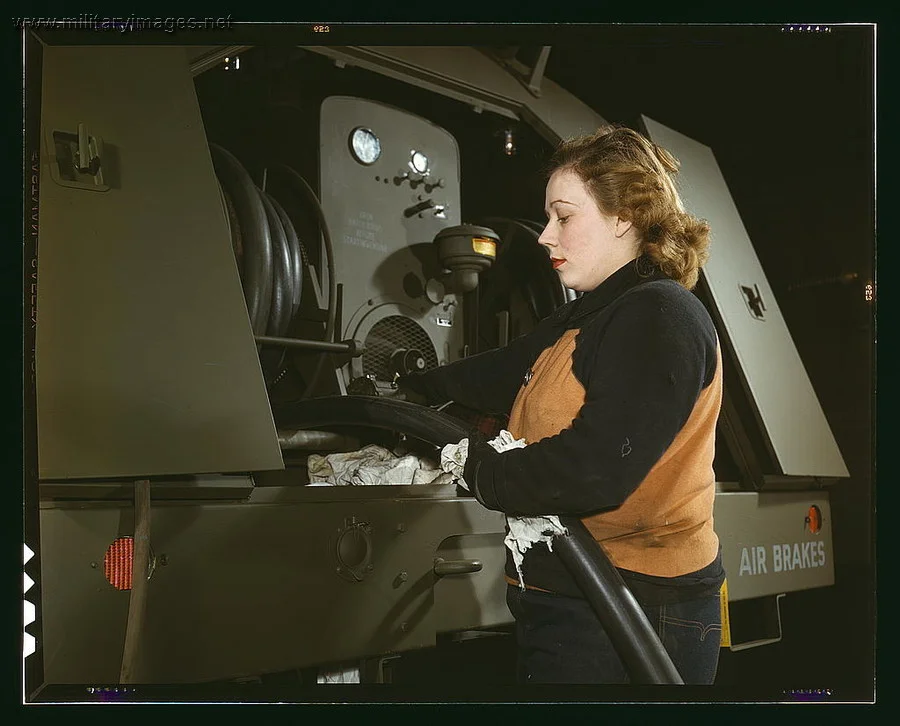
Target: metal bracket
76,159
529,77
764,641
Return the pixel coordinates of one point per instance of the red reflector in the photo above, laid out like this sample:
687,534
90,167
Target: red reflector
814,519
117,563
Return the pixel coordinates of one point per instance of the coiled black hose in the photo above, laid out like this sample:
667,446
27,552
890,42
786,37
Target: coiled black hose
297,256
331,315
282,272
256,239
540,308
302,184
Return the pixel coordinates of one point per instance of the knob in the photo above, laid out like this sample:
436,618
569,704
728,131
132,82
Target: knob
407,360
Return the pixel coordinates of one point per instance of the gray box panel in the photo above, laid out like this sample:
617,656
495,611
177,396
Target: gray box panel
791,415
767,546
145,359
376,245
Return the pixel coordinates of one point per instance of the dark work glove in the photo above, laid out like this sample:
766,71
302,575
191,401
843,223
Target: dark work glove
411,388
482,462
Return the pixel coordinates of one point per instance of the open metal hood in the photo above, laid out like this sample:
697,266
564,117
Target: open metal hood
790,414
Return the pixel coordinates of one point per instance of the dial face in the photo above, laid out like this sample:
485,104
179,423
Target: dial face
365,145
419,162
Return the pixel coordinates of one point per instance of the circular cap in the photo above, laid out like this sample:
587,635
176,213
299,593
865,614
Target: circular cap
467,230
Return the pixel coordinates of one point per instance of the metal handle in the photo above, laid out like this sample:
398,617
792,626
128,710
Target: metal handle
87,159
351,347
443,567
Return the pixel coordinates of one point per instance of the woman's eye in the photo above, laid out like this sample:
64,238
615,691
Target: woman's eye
562,220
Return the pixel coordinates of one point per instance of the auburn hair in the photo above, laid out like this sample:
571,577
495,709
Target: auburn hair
631,177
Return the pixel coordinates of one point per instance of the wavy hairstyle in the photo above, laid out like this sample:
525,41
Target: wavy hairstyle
631,177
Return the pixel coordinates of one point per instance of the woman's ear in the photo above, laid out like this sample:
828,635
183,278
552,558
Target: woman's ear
622,226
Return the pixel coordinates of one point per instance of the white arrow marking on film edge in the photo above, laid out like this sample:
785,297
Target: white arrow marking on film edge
27,552
29,613
28,646
28,583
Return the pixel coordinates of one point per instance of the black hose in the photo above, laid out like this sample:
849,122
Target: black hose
282,280
539,308
297,256
256,239
643,654
623,619
331,316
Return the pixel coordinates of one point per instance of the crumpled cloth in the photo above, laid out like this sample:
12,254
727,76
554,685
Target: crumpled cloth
369,466
524,532
350,674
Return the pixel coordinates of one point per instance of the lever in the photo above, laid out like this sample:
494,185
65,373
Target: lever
420,207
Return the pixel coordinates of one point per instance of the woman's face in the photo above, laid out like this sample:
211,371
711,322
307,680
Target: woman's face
586,246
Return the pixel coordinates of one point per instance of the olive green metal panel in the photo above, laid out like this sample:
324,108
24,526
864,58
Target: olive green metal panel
145,360
471,76
286,580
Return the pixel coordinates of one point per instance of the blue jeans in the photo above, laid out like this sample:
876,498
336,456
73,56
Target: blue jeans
560,639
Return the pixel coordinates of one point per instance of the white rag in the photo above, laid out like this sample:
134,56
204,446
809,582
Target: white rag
371,465
523,531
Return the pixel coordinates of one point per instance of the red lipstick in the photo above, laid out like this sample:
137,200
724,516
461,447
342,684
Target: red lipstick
556,262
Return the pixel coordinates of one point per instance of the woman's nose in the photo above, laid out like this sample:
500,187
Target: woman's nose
545,237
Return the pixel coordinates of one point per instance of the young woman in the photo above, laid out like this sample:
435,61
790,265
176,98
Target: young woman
616,394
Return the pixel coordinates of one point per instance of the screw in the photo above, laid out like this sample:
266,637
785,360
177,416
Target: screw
369,568
401,528
403,576
404,627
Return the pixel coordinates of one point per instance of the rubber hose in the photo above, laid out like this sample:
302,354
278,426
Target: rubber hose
538,309
282,283
329,250
631,634
561,294
297,255
256,239
331,315
629,630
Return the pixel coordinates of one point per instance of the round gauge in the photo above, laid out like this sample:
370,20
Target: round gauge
365,145
419,162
